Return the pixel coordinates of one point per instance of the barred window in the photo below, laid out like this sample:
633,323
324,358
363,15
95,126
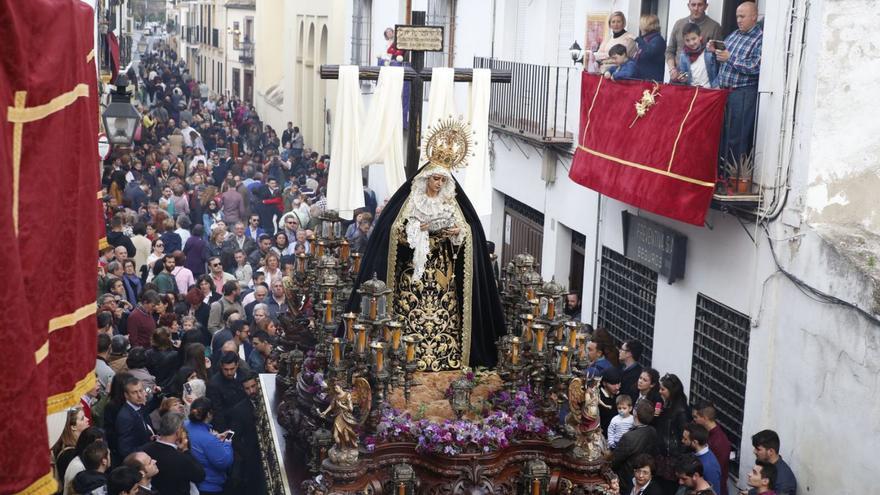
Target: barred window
720,361
441,13
361,20
627,301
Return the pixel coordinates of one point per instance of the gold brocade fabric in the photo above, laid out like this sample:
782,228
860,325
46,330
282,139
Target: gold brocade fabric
432,310
436,308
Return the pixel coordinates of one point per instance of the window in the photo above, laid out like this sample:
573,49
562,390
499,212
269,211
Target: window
441,13
361,27
627,301
523,231
718,370
576,268
236,83
236,35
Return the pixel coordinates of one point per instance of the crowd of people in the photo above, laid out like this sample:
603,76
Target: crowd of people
204,215
663,445
696,54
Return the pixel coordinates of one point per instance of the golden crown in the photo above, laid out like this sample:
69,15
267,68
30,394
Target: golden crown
449,143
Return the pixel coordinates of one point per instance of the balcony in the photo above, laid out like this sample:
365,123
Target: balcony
246,56
534,105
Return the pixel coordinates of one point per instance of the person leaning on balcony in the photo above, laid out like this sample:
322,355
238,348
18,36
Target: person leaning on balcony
652,46
710,30
740,66
619,36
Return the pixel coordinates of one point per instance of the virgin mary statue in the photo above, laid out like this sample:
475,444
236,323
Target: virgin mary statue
429,248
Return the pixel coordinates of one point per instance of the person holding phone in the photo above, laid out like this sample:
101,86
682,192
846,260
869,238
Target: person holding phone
211,449
739,58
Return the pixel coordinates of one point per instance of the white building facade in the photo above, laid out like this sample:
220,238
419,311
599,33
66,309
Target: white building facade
778,338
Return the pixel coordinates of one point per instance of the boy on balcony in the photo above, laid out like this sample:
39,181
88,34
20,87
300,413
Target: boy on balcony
624,67
696,66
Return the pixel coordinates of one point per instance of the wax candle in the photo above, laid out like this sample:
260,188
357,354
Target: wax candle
536,306
378,347
530,294
349,319
540,331
361,338
312,240
572,336
563,360
395,336
401,489
551,308
320,248
301,262
344,250
373,308
328,294
337,351
410,349
582,346
357,262
328,311
536,486
514,351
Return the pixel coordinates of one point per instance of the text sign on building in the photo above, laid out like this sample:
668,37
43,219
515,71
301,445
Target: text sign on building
655,246
418,38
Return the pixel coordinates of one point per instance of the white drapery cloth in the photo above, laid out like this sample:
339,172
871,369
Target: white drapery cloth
382,139
441,102
345,190
478,179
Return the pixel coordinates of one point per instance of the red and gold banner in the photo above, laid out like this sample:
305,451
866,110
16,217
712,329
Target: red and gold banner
664,161
48,227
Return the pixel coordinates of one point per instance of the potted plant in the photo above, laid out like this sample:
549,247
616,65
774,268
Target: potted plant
739,173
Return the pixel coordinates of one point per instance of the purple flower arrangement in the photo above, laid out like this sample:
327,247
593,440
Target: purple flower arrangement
507,418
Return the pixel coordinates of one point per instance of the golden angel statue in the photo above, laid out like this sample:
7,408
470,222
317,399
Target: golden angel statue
583,419
351,409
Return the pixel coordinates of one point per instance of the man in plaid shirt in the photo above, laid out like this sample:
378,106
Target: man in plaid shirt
740,67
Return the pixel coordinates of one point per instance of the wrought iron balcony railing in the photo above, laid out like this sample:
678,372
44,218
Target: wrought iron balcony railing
534,105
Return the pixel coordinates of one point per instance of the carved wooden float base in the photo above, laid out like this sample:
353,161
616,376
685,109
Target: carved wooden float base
499,473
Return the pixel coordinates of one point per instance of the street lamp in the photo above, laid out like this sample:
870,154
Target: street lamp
577,54
120,117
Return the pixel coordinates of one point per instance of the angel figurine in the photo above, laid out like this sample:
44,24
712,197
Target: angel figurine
583,419
352,409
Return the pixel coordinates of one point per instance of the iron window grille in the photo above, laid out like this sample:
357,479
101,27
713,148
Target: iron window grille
627,301
720,361
361,28
441,13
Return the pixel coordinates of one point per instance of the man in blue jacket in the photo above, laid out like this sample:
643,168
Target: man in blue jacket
133,428
696,437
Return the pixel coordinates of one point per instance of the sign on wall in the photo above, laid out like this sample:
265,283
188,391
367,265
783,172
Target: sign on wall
654,246
418,38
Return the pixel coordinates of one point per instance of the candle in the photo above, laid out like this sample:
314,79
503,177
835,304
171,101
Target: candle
536,306
361,338
301,262
540,330
582,345
349,321
563,360
328,294
551,308
311,239
337,351
386,332
344,250
572,335
559,337
514,351
536,486
373,308
401,489
320,248
328,311
410,348
395,336
378,347
357,262
530,294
